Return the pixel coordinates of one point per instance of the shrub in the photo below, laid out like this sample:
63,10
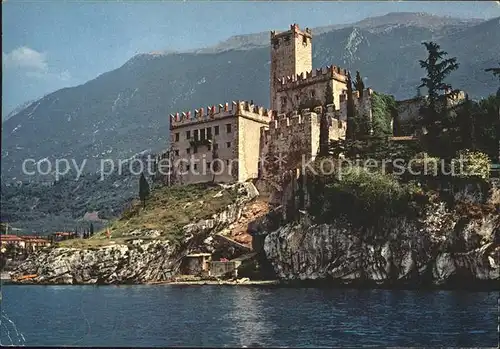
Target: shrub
469,163
366,196
424,164
494,197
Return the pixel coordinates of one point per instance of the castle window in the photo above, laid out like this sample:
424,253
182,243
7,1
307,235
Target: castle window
188,151
216,146
209,133
283,102
216,130
195,149
195,166
195,134
304,40
188,134
228,128
177,137
209,146
228,144
313,93
176,152
187,167
202,134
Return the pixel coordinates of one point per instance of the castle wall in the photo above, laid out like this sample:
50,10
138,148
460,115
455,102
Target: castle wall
363,104
230,130
248,147
289,139
291,54
290,93
409,109
224,141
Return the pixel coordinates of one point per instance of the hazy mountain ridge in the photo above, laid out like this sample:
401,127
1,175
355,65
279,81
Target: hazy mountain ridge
374,24
125,111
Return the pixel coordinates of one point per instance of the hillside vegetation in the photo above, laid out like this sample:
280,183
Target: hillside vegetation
167,210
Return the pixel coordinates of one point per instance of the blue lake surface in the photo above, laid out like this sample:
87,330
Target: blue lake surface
244,316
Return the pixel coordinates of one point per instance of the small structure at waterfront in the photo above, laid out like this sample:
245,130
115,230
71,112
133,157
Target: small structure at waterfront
195,264
228,268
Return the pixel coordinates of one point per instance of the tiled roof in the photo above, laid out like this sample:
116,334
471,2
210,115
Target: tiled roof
10,238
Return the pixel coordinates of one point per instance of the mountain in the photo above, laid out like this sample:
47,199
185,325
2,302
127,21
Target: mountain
125,111
17,109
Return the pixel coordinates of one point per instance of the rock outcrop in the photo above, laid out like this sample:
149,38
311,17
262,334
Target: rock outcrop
143,260
463,253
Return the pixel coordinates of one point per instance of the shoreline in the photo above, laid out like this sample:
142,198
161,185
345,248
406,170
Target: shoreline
484,286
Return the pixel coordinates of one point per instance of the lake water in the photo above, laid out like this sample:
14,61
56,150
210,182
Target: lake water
244,316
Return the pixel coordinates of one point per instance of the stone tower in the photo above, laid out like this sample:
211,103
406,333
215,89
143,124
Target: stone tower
291,54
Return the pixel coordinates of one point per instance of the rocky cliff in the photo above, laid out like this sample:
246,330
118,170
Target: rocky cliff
443,249
144,257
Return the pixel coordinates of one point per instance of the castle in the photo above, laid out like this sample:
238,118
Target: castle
238,141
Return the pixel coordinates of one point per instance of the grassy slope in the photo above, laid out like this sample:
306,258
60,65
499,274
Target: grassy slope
167,210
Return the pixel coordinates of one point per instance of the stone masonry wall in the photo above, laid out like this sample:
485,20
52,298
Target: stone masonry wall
288,138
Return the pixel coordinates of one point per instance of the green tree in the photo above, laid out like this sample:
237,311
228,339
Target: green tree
91,229
143,189
434,114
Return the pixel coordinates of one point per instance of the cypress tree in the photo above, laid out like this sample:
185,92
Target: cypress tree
466,124
351,113
359,84
324,124
143,189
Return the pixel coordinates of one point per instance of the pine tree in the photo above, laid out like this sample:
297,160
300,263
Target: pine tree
91,229
437,68
143,189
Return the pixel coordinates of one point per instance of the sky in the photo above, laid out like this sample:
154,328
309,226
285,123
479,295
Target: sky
49,45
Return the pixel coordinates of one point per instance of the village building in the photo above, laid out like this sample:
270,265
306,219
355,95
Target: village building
62,235
23,242
13,240
34,243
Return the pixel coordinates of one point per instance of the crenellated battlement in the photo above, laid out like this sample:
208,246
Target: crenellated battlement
311,77
295,119
294,29
219,111
356,96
